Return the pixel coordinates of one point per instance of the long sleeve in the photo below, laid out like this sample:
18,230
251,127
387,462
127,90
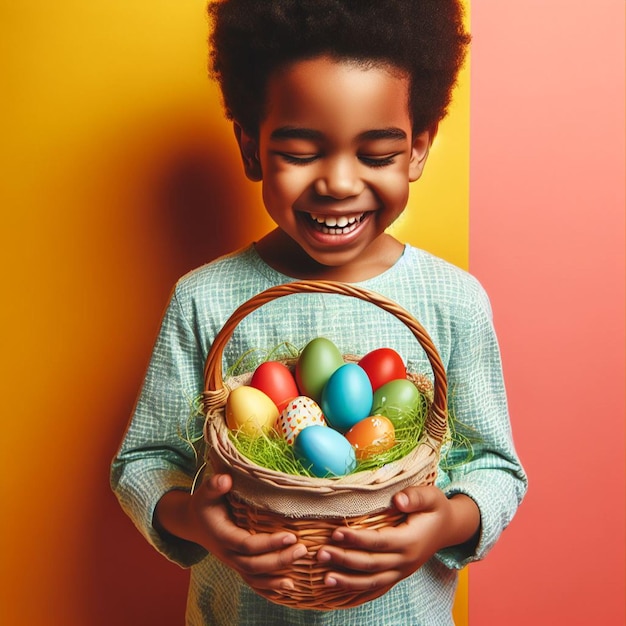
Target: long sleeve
154,457
492,476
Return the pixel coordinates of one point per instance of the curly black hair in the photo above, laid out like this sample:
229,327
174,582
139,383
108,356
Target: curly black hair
250,39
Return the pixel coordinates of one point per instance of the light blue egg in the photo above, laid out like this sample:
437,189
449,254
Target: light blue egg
347,397
324,451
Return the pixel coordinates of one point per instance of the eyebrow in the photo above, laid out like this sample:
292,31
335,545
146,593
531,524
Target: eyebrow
295,132
395,134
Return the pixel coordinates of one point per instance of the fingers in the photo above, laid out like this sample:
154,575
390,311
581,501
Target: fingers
241,541
215,487
389,539
228,537
210,493
359,560
365,569
376,559
256,556
263,560
269,561
378,583
417,499
359,570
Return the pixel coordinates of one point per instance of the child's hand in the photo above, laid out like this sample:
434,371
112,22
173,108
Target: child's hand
203,518
378,559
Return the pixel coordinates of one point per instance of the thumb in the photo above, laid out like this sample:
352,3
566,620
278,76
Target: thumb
416,499
216,486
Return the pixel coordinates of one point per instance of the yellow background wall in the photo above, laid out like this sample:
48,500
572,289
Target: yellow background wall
119,174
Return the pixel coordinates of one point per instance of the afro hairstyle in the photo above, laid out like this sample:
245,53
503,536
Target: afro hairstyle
250,39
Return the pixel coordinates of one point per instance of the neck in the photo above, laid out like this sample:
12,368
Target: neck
281,253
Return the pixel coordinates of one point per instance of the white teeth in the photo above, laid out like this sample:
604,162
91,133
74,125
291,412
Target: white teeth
338,231
339,225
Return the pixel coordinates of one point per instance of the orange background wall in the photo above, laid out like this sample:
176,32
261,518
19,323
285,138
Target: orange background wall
112,152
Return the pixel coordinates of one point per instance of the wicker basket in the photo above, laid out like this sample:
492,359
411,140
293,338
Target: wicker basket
263,500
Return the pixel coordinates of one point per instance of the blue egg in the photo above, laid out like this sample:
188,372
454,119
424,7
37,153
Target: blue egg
324,451
347,397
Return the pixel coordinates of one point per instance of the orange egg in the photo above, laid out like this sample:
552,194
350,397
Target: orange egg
371,436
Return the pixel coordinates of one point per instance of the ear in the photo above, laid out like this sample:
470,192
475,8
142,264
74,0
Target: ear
249,148
419,152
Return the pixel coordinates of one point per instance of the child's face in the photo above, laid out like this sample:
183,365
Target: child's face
336,156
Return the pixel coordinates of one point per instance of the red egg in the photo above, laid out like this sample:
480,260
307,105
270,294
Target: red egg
276,381
382,366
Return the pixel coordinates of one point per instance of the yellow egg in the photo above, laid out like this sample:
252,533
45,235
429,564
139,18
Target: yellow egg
250,411
371,436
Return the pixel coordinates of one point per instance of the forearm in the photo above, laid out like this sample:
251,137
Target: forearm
464,527
139,485
177,515
497,492
172,515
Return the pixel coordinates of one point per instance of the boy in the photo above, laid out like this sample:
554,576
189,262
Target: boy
335,104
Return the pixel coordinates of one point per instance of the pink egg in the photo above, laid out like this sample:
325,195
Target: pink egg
299,413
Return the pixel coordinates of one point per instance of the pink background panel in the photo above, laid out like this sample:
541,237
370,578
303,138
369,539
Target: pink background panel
547,241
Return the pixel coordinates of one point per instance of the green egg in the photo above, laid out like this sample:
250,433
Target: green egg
396,399
316,363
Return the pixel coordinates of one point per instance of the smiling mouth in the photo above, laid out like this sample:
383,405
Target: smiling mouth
336,224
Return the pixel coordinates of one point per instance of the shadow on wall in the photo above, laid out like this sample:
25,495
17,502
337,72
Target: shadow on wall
206,204
125,581
190,204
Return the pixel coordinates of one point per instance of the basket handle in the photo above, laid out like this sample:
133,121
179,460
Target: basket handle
436,421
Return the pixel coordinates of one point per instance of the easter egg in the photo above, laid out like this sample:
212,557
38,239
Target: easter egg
396,400
371,436
298,414
347,397
276,381
315,365
382,366
324,452
250,411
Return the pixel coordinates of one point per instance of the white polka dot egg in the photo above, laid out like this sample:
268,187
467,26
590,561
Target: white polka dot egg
301,412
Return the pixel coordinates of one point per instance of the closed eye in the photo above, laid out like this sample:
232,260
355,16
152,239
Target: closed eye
378,161
369,161
297,159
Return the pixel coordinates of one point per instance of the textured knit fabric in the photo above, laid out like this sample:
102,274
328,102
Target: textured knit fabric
455,311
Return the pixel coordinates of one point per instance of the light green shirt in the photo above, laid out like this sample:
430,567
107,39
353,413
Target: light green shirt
454,310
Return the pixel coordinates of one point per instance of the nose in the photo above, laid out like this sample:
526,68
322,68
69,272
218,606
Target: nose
339,178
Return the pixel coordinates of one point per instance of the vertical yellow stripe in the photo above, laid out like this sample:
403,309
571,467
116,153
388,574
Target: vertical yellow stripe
437,217
437,214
